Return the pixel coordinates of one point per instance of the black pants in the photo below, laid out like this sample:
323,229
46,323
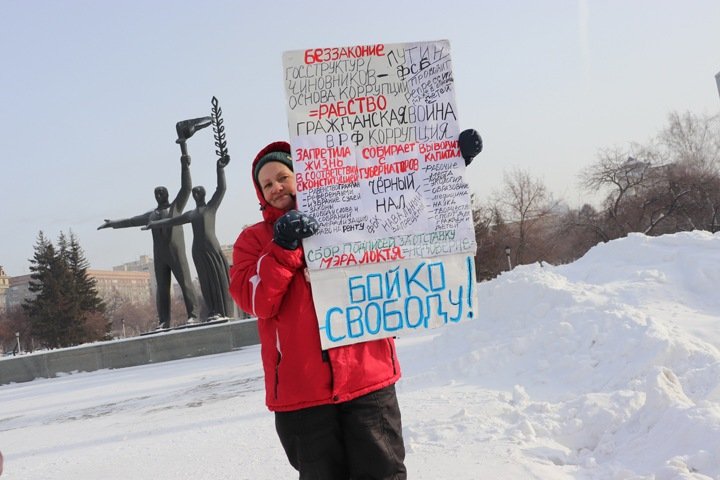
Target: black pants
359,440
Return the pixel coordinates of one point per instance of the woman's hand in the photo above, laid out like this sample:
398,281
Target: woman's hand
293,227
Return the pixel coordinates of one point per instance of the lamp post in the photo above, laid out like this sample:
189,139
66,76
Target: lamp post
507,255
17,342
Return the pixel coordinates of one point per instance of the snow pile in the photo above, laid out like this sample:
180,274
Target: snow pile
613,360
607,368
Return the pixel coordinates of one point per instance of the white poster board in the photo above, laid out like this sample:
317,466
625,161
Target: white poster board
373,130
390,299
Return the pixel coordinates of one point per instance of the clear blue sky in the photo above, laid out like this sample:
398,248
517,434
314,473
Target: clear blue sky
90,92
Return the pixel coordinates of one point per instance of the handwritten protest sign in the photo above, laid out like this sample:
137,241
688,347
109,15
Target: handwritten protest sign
373,130
375,301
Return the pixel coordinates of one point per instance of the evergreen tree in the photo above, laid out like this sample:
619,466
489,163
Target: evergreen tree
85,285
50,311
96,325
66,308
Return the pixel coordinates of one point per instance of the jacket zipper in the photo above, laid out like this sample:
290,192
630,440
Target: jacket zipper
277,374
326,358
277,365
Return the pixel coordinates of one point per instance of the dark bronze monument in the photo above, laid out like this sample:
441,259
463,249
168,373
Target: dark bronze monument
169,243
210,263
166,222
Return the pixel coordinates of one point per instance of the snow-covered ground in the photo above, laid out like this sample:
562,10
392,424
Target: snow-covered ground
607,368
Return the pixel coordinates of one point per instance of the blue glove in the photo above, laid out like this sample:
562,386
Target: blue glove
293,227
470,144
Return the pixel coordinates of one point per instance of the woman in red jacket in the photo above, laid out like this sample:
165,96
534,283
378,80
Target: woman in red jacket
336,411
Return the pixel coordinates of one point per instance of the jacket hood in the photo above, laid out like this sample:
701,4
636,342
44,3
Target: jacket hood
270,213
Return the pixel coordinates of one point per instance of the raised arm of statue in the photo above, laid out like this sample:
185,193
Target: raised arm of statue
221,186
185,184
170,221
136,221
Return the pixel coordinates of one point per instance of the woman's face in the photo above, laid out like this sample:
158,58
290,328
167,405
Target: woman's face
277,184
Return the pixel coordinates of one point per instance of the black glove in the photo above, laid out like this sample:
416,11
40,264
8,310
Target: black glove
292,227
470,145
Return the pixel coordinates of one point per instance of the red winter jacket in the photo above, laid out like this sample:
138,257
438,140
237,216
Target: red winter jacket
269,282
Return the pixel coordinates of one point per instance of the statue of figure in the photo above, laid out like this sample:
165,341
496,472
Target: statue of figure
169,242
211,265
168,247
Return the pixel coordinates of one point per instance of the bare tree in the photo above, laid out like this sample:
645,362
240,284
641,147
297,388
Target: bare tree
491,236
624,176
525,205
692,140
577,232
12,321
691,144
667,186
131,318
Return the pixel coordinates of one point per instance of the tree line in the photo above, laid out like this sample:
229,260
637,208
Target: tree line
669,184
65,308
